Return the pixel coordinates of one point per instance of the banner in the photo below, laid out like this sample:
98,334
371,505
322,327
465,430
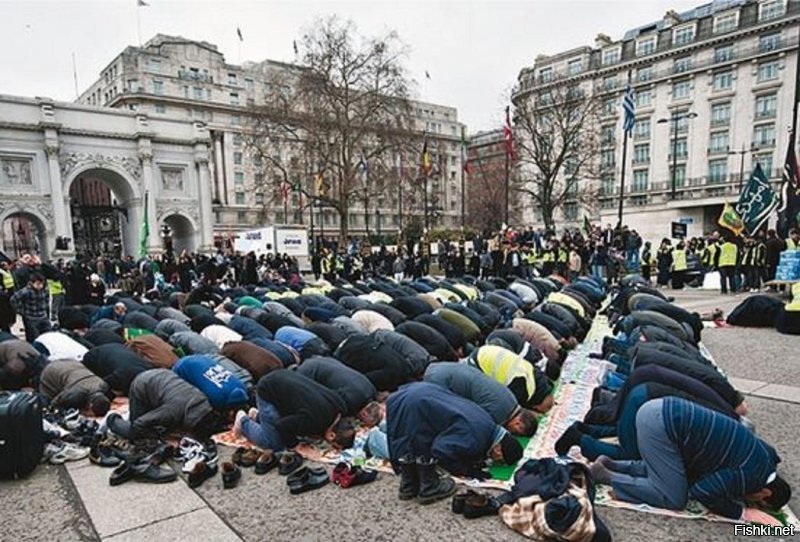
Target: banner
729,219
757,201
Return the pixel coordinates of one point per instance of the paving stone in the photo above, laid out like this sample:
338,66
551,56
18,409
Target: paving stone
198,525
745,385
780,392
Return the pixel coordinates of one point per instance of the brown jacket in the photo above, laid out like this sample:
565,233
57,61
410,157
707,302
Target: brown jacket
539,336
154,349
251,357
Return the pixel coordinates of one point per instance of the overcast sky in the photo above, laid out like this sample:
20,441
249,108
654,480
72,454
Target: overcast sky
472,50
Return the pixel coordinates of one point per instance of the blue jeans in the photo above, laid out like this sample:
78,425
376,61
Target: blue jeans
377,442
597,270
263,432
659,479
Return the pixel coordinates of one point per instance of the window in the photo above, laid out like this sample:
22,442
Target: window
640,180
644,74
726,22
719,142
641,129
764,136
155,65
607,134
683,35
611,56
575,66
236,120
238,177
241,216
208,94
259,198
766,106
609,106
232,79
198,93
133,85
765,160
767,71
546,75
570,211
680,175
724,53
683,64
185,92
769,42
239,198
681,150
234,98
771,9
646,46
717,171
158,87
644,98
607,158
160,108
248,84
610,82
681,90
641,153
721,114
723,81
237,159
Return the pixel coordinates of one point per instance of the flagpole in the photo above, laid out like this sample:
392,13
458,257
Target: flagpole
138,22
624,167
463,171
508,164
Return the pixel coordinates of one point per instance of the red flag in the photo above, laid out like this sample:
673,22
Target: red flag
285,189
508,135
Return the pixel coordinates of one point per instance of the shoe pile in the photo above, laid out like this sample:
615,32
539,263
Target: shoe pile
149,468
472,504
58,453
200,460
69,436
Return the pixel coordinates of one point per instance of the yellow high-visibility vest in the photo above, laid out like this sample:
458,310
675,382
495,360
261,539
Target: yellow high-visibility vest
55,287
563,255
8,279
791,245
504,366
548,256
679,260
727,254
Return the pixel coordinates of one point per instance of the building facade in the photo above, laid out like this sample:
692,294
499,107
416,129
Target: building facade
176,78
486,183
714,94
80,178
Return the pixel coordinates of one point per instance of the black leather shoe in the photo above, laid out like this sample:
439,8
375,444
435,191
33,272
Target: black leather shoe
289,463
104,456
458,501
231,474
479,505
307,479
201,472
154,474
122,474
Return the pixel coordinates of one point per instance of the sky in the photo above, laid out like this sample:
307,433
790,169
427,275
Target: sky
473,50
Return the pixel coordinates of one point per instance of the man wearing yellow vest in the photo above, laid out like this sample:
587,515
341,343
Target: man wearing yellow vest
679,265
726,263
7,314
528,384
793,241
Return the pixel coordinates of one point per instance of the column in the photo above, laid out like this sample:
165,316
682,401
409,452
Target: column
61,224
133,226
148,181
219,172
206,243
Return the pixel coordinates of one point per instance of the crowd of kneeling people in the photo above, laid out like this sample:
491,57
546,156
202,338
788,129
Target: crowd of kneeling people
443,372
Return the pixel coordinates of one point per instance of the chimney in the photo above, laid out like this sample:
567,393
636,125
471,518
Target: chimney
671,18
602,40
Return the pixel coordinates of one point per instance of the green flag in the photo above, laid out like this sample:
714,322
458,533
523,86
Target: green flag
586,226
729,219
145,232
757,201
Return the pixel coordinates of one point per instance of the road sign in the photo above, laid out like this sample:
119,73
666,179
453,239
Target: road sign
679,230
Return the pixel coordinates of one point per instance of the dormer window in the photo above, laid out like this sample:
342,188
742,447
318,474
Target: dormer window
646,46
683,35
611,56
725,22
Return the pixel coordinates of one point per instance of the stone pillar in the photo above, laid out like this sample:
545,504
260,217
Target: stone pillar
133,226
149,186
219,172
61,224
206,236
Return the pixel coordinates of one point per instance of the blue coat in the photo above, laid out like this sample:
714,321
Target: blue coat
222,387
427,420
248,328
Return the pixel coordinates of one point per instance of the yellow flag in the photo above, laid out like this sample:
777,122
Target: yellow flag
731,220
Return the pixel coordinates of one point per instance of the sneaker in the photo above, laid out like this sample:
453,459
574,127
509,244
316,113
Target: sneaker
104,456
69,453
70,418
51,449
187,448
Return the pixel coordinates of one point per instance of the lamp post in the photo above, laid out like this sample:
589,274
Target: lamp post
741,153
675,118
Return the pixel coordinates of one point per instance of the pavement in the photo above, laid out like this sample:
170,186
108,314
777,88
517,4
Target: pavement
75,502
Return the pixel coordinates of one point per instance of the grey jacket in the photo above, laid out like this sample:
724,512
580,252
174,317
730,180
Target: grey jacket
70,384
470,383
193,343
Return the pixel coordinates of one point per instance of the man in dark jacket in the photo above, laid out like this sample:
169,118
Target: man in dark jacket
69,384
385,367
161,402
429,338
428,424
291,405
116,364
493,397
20,364
354,388
689,451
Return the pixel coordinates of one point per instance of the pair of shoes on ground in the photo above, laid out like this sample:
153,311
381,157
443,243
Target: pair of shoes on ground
345,476
59,453
472,504
307,479
289,462
263,460
192,452
142,470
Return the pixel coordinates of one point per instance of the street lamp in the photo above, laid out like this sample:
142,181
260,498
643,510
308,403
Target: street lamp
741,153
675,118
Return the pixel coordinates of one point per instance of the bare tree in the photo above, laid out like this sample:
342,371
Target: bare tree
345,102
557,146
